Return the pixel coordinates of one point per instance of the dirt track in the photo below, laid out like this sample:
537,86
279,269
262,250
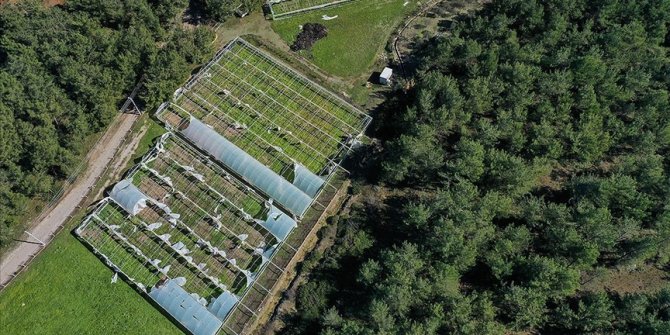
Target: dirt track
432,20
99,159
254,24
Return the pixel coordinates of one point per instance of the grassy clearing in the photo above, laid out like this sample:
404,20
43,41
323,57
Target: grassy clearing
355,37
67,290
643,278
148,141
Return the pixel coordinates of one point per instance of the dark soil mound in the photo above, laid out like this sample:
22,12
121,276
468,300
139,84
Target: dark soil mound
311,32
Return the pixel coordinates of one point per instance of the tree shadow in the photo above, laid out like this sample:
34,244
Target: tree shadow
374,77
195,14
26,241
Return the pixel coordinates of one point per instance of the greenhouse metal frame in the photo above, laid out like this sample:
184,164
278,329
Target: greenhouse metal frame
253,97
280,9
197,233
173,218
277,116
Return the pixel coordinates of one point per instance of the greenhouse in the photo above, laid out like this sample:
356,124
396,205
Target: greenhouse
274,114
208,222
128,197
185,232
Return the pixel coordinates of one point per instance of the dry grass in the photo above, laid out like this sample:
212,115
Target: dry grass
47,3
644,278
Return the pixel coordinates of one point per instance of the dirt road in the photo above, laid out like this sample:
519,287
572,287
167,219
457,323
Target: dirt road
254,24
99,158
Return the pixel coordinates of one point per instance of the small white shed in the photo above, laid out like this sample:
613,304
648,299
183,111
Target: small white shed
385,76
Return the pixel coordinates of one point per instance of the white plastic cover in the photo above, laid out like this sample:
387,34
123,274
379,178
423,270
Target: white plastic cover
185,308
248,167
307,181
129,197
223,304
278,223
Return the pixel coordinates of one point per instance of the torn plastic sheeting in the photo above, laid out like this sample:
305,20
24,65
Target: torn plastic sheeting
180,281
192,172
154,226
278,223
165,179
265,256
249,275
219,252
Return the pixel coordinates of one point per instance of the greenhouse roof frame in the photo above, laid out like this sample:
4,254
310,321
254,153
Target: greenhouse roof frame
187,219
283,138
99,222
280,9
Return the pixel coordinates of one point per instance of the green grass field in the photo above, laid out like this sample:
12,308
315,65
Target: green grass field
67,290
154,130
355,37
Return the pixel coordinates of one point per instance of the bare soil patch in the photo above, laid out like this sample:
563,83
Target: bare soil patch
47,3
645,278
311,32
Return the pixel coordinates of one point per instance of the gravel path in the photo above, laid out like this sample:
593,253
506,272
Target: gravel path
99,158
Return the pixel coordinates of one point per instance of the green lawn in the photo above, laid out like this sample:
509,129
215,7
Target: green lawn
154,131
355,37
67,290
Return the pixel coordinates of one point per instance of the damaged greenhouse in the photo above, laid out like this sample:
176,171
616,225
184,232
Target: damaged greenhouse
210,219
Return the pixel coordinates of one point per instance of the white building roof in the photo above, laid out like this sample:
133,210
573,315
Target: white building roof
386,74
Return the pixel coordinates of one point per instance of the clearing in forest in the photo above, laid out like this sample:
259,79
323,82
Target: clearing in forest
356,36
